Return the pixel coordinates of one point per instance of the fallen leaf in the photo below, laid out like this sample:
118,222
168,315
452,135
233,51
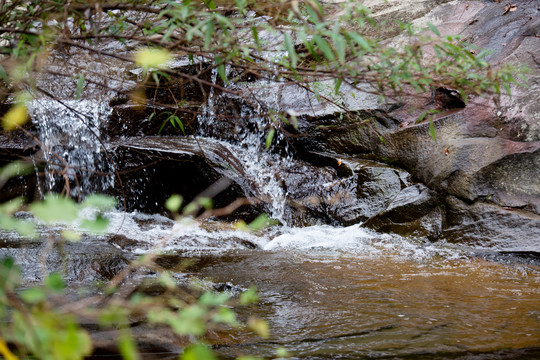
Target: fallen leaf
509,8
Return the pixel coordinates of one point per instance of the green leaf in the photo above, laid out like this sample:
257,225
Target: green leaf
4,75
269,138
55,208
173,203
127,346
80,85
152,58
433,29
97,225
33,295
167,280
260,327
337,85
221,68
12,206
324,47
255,33
213,299
432,130
198,352
289,46
206,202
189,321
249,296
360,40
281,352
340,45
421,117
16,116
225,316
71,235
209,4
190,208
209,33
179,123
507,88
55,282
15,168
99,201
241,5
262,221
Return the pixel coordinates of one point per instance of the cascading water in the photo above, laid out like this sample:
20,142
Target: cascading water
327,291
261,167
71,141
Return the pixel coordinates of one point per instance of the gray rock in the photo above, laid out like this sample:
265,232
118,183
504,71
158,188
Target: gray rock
415,211
484,225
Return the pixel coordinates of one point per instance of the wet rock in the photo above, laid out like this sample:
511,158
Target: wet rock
351,191
154,168
485,225
82,262
132,120
123,242
483,151
414,211
152,341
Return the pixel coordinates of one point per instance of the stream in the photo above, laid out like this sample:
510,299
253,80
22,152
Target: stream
327,290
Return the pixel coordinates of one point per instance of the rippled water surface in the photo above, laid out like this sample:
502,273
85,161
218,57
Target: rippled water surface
348,292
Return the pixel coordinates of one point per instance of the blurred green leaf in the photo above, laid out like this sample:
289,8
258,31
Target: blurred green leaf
433,29
173,203
269,138
262,221
33,295
225,316
55,209
198,352
80,85
206,202
432,130
102,202
189,321
289,46
98,225
127,346
213,299
260,327
55,282
15,168
249,296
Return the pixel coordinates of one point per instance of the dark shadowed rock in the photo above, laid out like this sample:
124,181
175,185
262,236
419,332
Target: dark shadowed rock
154,168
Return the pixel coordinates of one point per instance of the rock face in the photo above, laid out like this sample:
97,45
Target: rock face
486,156
153,168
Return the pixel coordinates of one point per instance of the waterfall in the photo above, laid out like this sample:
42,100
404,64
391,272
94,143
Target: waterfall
71,141
260,166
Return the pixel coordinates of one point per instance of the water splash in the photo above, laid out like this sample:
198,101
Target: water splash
70,133
261,167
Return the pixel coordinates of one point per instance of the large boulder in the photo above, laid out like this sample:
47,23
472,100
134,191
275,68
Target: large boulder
485,152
